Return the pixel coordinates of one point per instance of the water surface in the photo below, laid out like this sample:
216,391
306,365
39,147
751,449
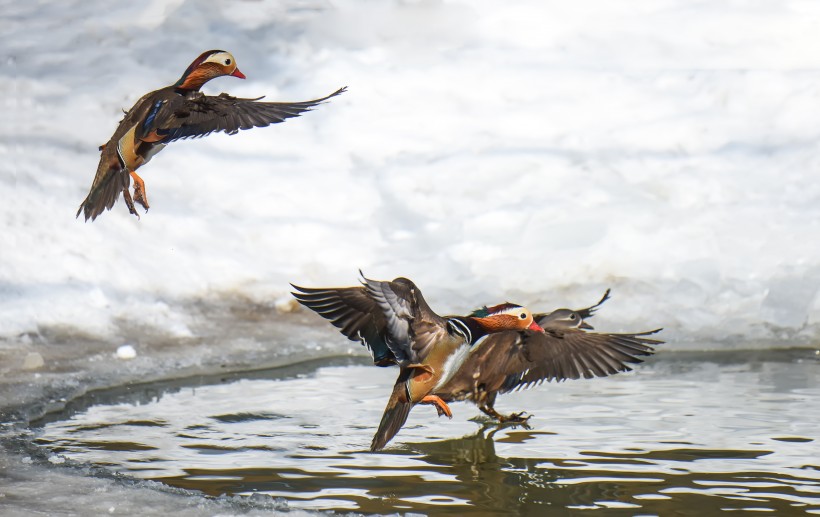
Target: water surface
686,434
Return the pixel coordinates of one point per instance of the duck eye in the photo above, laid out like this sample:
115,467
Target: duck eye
572,316
227,61
523,315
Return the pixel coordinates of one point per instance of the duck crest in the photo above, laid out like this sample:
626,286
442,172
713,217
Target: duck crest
485,311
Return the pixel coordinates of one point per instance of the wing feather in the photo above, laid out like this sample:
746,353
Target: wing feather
354,313
413,329
510,361
201,115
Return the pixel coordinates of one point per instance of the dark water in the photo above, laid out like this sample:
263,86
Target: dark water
687,434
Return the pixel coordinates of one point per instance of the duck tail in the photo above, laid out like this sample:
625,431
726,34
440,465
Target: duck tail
395,414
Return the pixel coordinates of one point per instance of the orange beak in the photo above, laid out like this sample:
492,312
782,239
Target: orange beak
535,326
237,73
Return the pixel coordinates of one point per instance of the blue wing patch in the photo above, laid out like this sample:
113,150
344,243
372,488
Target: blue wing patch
149,120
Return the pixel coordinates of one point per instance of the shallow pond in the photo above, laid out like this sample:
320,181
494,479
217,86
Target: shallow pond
686,434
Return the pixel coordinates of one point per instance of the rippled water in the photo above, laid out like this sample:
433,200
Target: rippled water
686,434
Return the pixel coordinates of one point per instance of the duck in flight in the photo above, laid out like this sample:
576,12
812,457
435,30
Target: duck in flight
172,113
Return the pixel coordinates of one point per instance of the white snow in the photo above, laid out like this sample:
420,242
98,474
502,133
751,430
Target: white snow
534,151
126,352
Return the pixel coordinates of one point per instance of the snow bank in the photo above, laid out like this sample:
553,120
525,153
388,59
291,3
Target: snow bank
537,152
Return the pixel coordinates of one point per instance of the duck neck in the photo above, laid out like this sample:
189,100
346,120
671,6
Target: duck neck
469,328
189,83
195,76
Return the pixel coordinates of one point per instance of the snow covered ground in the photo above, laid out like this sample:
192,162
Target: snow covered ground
535,151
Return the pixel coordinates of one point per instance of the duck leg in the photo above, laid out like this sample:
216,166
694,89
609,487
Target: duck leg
139,191
441,407
487,406
126,196
513,418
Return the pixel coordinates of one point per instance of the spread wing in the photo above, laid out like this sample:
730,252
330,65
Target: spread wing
354,313
564,318
196,116
514,360
413,329
589,311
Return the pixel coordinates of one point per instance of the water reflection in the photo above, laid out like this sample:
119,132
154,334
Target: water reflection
688,434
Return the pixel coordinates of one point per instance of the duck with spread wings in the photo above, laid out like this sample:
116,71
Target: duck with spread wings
395,322
502,362
511,361
518,360
172,113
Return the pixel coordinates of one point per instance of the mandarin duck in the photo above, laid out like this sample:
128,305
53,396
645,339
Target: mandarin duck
176,112
394,321
570,318
558,319
511,361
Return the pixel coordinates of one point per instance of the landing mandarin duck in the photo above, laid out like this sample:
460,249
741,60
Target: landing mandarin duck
479,384
176,112
510,361
397,325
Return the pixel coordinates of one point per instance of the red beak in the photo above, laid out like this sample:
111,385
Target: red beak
535,326
237,73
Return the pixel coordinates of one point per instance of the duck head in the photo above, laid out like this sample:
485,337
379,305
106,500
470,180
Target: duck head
506,316
565,318
209,64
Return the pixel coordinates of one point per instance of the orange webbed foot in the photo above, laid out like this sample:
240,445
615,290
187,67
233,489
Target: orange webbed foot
139,191
441,407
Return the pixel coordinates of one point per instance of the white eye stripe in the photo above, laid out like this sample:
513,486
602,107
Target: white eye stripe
221,58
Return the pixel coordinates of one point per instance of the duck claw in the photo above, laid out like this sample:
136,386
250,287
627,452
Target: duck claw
126,196
441,407
515,418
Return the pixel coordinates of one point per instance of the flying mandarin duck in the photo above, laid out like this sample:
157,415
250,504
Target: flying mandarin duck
395,322
172,113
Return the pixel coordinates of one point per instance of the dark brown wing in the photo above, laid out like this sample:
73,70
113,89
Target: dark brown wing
513,360
354,313
589,311
413,329
195,116
111,177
